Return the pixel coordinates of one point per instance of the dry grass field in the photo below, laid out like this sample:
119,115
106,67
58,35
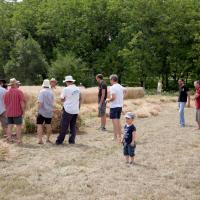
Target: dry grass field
167,162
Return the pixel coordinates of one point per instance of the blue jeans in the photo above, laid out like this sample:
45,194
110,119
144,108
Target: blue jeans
181,106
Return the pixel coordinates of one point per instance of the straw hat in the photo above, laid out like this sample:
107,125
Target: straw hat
13,81
53,80
18,83
46,83
69,79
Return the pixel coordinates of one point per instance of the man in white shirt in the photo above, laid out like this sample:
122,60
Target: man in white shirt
116,100
71,98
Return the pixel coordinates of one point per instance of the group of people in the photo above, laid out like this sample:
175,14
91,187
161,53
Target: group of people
13,104
184,100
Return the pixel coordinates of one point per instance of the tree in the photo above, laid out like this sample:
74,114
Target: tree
68,64
27,63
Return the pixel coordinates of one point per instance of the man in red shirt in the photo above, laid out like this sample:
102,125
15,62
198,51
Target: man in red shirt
197,101
15,104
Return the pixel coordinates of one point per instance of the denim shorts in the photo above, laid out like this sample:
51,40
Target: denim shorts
129,150
115,113
15,120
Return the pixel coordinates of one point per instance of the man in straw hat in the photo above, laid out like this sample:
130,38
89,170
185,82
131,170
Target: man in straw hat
70,97
15,105
2,107
45,110
53,83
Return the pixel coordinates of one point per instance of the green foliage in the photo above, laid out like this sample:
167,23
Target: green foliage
141,40
27,62
68,64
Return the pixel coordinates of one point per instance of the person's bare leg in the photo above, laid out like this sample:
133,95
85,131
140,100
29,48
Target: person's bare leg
119,131
40,132
127,159
19,132
115,127
198,124
132,160
4,131
103,121
49,132
9,132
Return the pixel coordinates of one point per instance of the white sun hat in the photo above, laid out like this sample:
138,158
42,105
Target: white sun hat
46,83
69,79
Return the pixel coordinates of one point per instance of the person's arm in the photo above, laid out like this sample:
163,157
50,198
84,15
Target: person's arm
188,94
112,97
125,93
133,138
62,96
197,95
80,99
102,96
22,102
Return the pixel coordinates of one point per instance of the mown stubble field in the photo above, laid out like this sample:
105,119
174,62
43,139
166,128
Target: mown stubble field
167,164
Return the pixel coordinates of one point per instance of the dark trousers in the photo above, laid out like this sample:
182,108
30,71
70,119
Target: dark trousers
67,120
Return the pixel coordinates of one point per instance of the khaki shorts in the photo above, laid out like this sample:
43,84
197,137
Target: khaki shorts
198,115
3,120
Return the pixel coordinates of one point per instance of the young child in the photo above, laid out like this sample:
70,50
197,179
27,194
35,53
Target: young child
129,138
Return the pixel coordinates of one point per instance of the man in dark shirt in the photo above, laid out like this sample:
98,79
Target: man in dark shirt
102,96
184,97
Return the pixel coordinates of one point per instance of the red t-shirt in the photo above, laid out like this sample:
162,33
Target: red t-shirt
197,101
12,100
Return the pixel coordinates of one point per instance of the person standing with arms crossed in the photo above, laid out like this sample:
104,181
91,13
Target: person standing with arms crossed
184,97
102,96
117,93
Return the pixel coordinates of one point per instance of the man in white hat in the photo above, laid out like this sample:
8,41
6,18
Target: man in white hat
45,110
71,98
15,105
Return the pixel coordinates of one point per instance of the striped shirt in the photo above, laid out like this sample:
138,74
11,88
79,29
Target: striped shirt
13,99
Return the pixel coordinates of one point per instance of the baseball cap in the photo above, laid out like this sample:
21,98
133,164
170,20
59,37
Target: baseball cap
129,115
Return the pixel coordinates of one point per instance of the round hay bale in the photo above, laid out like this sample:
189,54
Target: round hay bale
30,120
89,95
4,151
157,108
135,92
153,112
138,102
142,113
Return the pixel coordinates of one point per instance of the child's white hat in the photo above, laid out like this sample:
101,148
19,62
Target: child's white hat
129,115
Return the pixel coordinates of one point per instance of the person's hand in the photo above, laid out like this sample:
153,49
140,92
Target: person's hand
133,143
107,100
188,105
